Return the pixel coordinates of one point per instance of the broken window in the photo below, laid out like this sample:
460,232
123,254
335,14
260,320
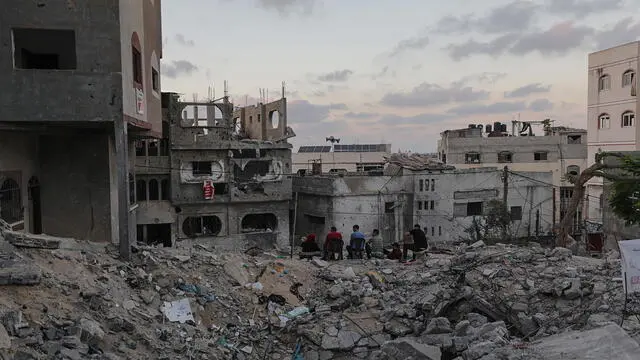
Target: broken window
274,119
604,82
540,156
44,49
627,78
153,148
164,189
472,158
155,79
505,157
141,189
432,204
201,168
419,205
154,190
251,170
474,208
132,190
389,206
433,185
516,213
439,230
10,201
433,231
140,148
202,226
577,139
259,223
421,185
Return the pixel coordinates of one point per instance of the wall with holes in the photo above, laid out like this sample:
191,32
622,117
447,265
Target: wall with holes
264,121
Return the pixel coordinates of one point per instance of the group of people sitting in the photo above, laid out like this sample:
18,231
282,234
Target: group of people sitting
359,246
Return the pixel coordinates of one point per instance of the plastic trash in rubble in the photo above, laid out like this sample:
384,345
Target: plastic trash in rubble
178,311
300,310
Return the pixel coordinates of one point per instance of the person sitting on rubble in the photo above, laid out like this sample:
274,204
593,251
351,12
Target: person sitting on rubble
333,245
375,246
419,239
395,253
356,244
310,248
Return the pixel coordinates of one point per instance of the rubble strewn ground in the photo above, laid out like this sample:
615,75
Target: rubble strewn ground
190,302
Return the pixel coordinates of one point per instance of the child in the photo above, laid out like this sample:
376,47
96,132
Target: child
395,254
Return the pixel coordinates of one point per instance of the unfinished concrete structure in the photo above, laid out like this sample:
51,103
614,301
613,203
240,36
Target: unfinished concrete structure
81,80
220,173
558,150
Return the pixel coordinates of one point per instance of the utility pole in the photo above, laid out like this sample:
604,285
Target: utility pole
505,193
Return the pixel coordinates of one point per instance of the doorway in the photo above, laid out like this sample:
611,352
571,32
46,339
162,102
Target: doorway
36,206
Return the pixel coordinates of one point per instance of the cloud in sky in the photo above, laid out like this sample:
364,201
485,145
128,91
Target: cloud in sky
177,68
350,75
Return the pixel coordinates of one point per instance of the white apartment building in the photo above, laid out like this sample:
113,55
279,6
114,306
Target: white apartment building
340,158
558,150
612,107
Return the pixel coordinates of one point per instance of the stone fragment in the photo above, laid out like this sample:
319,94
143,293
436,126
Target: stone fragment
397,328
5,340
477,320
320,263
476,351
410,349
336,291
439,325
344,341
561,253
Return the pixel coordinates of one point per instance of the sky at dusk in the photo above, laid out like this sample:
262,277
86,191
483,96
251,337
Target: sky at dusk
397,71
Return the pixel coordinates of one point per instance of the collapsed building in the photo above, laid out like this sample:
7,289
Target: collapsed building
219,172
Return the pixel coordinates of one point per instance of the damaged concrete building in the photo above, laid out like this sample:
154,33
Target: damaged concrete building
442,199
557,149
82,81
222,174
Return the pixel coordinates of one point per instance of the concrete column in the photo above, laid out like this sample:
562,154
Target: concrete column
122,174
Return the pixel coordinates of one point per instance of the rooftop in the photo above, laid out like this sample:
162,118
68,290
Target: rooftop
357,148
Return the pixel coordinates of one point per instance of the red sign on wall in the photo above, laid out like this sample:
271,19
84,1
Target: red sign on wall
208,190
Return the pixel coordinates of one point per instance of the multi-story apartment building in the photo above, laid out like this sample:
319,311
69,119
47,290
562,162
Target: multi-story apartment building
218,173
612,107
558,150
340,158
81,80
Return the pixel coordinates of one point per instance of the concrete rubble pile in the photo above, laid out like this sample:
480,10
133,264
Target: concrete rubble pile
190,302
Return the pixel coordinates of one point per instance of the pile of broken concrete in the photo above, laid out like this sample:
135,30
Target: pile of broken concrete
77,301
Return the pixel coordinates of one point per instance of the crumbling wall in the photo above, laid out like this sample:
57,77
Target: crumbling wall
231,218
264,121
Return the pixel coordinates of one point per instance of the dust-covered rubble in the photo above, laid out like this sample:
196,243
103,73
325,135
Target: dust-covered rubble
190,302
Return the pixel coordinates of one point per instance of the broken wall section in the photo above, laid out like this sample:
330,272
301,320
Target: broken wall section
264,121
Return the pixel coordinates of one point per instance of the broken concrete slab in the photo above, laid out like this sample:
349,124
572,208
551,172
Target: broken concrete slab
608,342
26,240
19,272
410,349
5,340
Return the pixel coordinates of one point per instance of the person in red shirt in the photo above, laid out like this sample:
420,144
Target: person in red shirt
333,245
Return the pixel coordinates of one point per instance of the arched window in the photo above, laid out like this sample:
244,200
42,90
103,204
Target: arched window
164,189
628,78
141,189
154,190
155,72
136,59
604,82
628,119
604,121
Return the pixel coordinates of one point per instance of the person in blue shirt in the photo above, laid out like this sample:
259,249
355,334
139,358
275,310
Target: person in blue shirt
356,244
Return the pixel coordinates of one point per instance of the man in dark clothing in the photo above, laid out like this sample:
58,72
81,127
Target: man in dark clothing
419,238
333,245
